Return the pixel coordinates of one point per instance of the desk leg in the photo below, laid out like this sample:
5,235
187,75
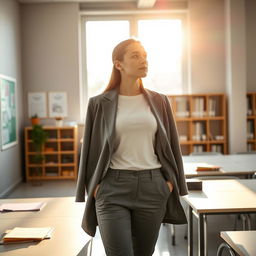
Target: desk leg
190,231
202,248
205,235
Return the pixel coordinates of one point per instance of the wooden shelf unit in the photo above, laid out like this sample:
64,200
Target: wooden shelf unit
59,151
251,121
201,122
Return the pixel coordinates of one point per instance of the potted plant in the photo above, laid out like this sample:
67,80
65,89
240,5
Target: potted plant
58,121
39,137
35,119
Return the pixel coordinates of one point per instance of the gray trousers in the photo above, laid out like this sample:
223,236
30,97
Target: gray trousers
130,207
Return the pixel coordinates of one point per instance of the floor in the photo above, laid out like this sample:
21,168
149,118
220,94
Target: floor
163,246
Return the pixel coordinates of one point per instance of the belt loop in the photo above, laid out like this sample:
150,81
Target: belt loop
151,172
117,174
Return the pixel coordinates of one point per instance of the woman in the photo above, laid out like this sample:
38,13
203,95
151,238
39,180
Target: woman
131,165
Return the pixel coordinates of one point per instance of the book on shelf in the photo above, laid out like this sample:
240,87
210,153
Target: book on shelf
20,207
212,107
23,235
249,106
219,137
198,148
250,147
250,129
198,107
183,137
181,107
199,132
216,148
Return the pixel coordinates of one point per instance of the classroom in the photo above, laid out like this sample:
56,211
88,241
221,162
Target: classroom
176,176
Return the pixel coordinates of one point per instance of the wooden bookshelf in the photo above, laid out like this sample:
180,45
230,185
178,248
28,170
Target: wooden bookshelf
251,121
201,122
59,151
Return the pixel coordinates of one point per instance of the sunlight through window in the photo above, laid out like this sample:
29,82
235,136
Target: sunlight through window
162,39
163,42
101,38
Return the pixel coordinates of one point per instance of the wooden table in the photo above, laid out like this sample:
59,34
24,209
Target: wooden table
231,165
61,213
218,197
241,242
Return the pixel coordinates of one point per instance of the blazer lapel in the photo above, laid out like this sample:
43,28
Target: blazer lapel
109,108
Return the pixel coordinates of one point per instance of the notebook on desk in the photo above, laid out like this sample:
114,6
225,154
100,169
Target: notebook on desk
206,167
20,207
23,235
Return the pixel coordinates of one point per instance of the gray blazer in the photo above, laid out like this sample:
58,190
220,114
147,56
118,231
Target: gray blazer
97,148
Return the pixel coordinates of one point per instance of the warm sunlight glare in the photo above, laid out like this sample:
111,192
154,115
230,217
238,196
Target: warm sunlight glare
163,42
101,38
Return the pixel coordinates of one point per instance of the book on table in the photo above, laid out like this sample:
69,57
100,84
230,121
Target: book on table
21,235
206,167
20,207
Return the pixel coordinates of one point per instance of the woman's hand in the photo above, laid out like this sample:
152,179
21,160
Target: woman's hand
170,185
96,190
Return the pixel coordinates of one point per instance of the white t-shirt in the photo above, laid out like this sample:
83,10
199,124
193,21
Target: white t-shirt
135,132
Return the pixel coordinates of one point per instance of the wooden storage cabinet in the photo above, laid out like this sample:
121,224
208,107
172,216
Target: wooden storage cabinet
251,121
59,151
201,122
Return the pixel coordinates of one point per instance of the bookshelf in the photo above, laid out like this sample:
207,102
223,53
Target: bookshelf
251,121
59,151
201,122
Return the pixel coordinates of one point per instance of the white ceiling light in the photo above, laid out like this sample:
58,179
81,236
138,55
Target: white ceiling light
145,3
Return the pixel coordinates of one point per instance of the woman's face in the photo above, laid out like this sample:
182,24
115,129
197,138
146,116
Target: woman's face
134,63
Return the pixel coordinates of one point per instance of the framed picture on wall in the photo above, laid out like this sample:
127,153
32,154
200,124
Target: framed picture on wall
37,104
57,104
8,112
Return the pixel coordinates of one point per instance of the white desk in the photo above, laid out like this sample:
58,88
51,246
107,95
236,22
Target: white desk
55,207
234,165
242,242
61,213
218,197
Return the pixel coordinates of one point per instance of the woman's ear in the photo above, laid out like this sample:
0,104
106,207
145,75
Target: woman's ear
118,65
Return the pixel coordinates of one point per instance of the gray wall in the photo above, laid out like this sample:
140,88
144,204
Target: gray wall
251,42
207,32
10,58
50,52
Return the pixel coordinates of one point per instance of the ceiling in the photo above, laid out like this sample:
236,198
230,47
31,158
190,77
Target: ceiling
140,3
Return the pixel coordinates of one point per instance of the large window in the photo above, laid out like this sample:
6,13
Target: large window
163,39
101,37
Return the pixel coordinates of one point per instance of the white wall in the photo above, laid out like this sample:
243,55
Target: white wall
10,58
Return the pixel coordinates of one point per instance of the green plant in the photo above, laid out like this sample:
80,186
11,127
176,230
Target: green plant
34,116
39,137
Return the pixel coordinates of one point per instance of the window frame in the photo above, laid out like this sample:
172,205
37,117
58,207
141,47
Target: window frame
132,17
